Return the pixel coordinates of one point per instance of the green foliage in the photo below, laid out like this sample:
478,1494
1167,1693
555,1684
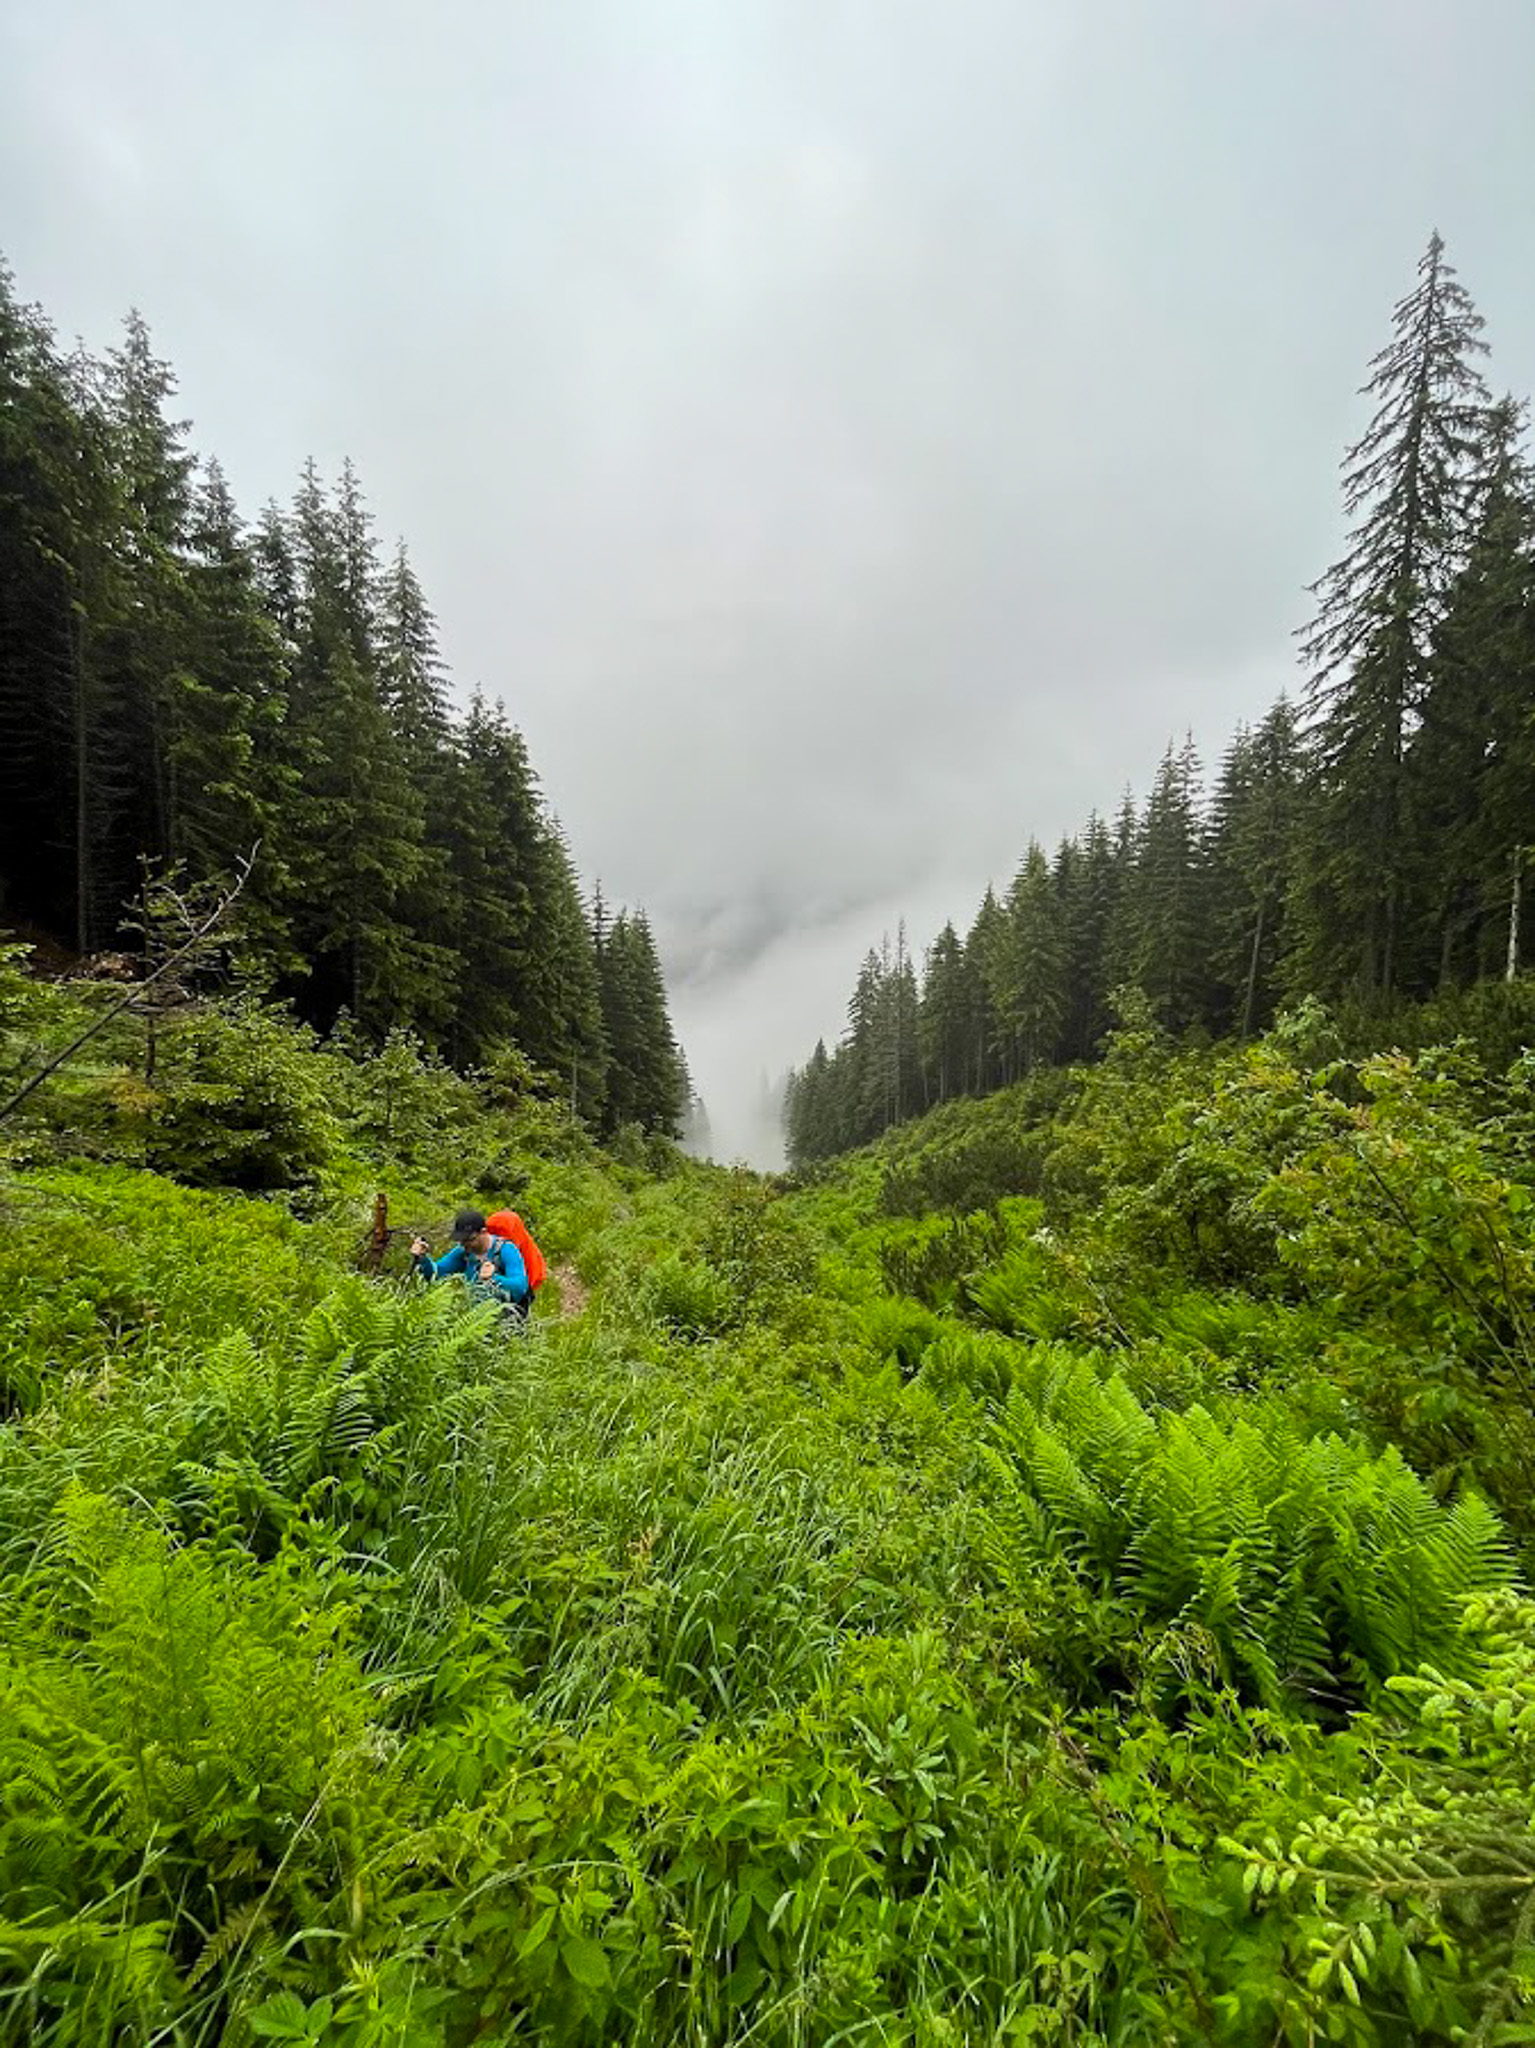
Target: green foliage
933,1267
1307,1564
944,1627
177,690
109,1270
239,1101
689,1297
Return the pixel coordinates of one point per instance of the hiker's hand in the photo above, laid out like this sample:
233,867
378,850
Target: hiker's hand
418,1247
487,1269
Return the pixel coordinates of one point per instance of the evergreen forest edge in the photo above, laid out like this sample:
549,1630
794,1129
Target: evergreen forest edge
1366,846
181,695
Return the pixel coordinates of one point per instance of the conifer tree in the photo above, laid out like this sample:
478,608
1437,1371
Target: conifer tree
1160,923
573,1043
413,692
813,1126
55,496
662,1071
1087,879
1255,817
276,573
1471,762
1030,992
1406,488
985,944
357,847
946,1017
864,1073
233,790
645,1073
357,560
146,628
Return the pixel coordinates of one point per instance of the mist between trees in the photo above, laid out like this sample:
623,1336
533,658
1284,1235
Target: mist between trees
1364,844
179,689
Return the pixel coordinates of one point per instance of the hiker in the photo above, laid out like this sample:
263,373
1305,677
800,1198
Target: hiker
490,1265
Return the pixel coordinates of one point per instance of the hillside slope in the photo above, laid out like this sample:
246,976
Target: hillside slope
1090,1613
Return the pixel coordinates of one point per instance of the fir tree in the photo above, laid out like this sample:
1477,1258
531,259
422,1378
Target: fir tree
412,689
233,790
55,505
645,1073
566,1032
1160,924
1255,817
1030,996
946,1016
1406,487
985,944
1087,879
146,629
1471,763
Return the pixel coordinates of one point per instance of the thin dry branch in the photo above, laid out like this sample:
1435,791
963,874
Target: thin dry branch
208,925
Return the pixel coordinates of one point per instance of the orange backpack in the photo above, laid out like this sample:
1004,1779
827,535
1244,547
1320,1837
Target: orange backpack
507,1223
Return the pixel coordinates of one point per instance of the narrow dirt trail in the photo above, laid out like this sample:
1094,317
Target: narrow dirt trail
573,1290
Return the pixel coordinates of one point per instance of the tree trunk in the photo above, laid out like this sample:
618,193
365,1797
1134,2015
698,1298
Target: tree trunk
81,738
1250,999
1511,967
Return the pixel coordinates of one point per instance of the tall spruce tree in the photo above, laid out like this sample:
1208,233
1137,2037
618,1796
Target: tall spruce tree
1030,995
147,629
489,840
865,1072
358,833
563,1017
412,688
985,946
1407,488
233,788
1087,881
55,509
946,1017
1160,928
812,1123
645,1077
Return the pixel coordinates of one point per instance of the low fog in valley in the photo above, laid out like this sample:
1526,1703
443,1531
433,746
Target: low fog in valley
851,438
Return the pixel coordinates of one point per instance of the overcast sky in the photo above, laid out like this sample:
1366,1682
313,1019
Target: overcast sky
851,436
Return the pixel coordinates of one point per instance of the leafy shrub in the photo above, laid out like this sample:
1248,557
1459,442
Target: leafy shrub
752,1243
1416,1850
970,1155
400,1101
113,1267
932,1266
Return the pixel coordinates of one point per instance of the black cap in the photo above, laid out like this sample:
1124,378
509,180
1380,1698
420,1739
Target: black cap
468,1223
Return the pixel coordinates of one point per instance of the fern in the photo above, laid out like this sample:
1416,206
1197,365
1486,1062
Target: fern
1312,1566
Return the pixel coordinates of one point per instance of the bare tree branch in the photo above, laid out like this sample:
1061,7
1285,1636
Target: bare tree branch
209,924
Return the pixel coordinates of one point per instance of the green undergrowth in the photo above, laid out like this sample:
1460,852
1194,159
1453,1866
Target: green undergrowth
1089,1614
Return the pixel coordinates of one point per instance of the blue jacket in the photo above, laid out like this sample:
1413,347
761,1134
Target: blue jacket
510,1282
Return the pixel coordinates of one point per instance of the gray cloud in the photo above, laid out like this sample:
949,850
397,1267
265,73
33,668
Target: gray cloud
851,437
